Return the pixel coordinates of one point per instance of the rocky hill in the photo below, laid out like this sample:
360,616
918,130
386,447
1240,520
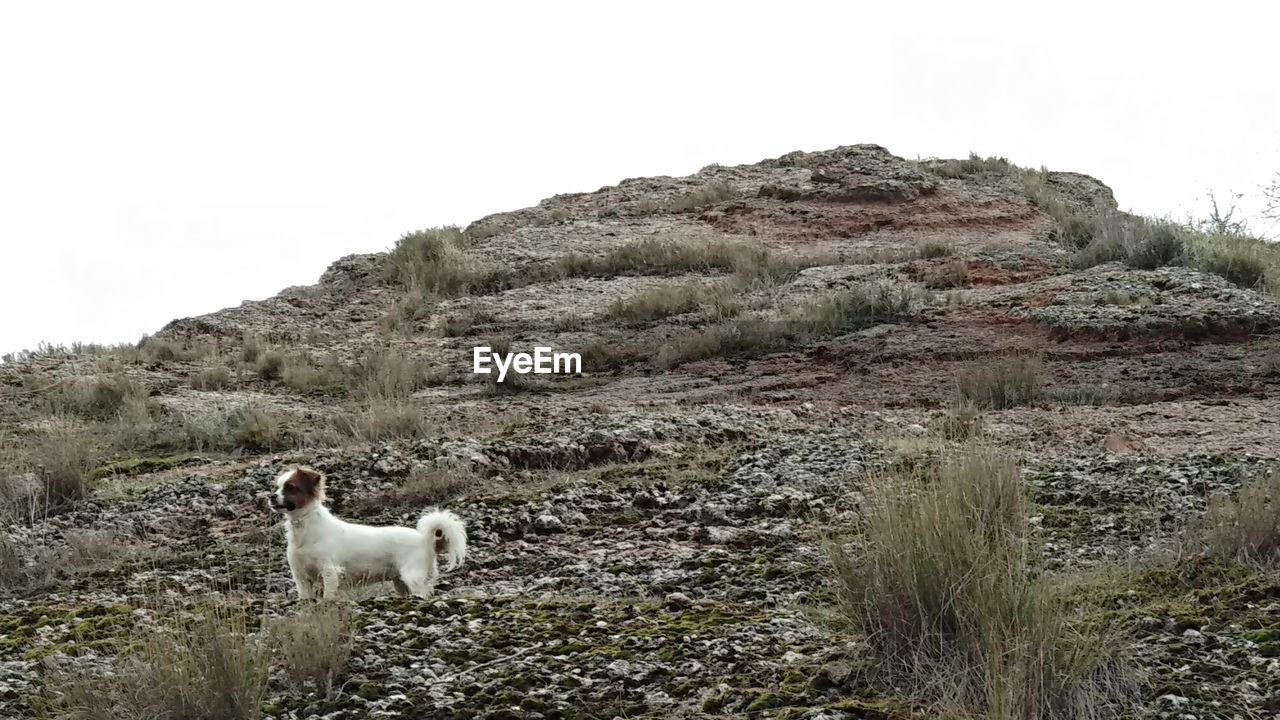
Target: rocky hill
653,535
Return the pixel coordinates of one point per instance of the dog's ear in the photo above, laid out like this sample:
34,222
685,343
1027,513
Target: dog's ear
309,481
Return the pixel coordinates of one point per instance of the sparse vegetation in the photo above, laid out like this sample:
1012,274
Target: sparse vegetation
1245,528
709,194
434,262
858,307
380,420
941,582
970,166
212,377
206,666
99,397
960,420
303,375
934,249
751,265
257,428
163,349
314,646
1007,382
948,276
270,364
662,302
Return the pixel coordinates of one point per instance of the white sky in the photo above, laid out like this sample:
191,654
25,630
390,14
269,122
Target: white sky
161,160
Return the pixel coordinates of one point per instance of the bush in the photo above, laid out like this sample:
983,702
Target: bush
64,463
662,302
951,275
1008,382
1138,242
434,263
213,377
380,420
385,374
301,375
751,265
961,420
1245,528
942,585
933,249
256,428
206,666
970,166
858,307
1242,260
709,194
270,364
99,397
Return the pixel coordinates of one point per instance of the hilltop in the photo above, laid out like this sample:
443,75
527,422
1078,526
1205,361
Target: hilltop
654,535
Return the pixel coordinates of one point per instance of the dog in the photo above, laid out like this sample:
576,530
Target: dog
326,552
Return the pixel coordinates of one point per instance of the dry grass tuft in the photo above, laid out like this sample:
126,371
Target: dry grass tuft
314,646
205,665
1245,528
941,583
1006,382
434,262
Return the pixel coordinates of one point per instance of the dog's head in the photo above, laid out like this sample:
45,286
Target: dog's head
297,489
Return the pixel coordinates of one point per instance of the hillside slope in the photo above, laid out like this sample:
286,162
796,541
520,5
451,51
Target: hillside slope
648,534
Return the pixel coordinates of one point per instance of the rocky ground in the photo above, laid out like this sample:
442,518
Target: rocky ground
647,540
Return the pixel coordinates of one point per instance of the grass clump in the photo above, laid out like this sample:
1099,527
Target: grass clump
662,302
205,665
858,307
99,397
1137,242
948,276
434,262
1010,381
941,582
1245,528
934,249
314,646
960,420
751,265
386,374
380,420
968,167
212,377
708,194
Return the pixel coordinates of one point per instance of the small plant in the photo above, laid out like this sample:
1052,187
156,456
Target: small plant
270,364
940,581
202,666
314,646
256,428
1008,382
970,166
1245,528
64,461
434,262
212,377
708,194
961,420
380,420
99,397
302,375
859,307
662,302
934,249
386,374
948,276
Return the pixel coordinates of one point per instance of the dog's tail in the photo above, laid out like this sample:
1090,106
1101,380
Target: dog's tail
446,534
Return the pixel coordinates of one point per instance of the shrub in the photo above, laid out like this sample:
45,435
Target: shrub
381,420
736,337
942,584
205,666
99,397
425,487
163,349
213,377
662,302
1245,528
858,307
385,373
302,375
314,646
1242,260
64,461
270,364
1138,242
751,265
961,420
1007,382
933,249
256,428
970,166
709,194
954,274
434,262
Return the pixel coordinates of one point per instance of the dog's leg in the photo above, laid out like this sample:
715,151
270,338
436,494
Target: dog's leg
418,582
329,577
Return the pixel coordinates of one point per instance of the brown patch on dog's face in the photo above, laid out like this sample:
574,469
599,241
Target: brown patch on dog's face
302,488
442,543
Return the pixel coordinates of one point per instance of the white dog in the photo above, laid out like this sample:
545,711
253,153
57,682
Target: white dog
326,552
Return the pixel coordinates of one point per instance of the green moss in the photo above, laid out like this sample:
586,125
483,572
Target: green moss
146,465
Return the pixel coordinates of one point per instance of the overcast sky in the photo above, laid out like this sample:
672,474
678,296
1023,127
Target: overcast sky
161,160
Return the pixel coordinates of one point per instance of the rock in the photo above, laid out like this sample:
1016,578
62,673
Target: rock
678,600
548,524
